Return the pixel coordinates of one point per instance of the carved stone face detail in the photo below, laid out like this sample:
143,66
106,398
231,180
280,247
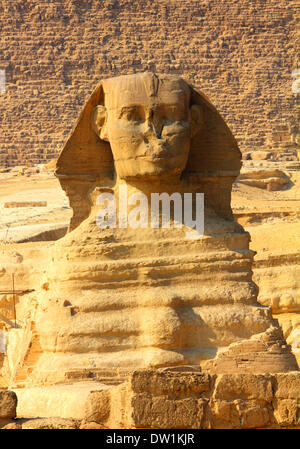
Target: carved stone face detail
149,124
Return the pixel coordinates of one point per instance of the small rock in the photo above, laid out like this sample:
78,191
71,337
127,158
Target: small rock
8,404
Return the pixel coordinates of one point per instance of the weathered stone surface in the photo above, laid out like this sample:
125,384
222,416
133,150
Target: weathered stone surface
152,399
238,401
50,423
91,425
239,414
244,386
277,268
287,412
254,415
224,414
97,408
161,412
8,404
66,401
261,155
170,383
262,353
288,386
270,179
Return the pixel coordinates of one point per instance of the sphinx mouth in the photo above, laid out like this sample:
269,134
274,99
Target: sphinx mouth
156,158
157,154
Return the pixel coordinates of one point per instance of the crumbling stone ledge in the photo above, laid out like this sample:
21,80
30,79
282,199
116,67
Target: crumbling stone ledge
8,407
13,204
169,400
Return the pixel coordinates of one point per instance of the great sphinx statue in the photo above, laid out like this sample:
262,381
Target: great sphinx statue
121,297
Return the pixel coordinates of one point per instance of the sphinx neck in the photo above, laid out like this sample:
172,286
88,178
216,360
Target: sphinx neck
149,186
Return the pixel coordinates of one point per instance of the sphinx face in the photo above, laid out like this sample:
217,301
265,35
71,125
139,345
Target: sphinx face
148,122
149,139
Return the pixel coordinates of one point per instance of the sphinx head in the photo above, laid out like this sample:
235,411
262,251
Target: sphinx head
149,123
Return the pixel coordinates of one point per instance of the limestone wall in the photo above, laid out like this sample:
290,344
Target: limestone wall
241,54
162,400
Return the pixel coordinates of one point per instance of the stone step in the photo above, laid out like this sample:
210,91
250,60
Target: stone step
110,377
63,400
111,381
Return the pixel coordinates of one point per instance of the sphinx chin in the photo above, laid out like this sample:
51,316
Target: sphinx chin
145,167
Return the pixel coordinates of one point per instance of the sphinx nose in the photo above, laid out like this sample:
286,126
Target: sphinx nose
153,126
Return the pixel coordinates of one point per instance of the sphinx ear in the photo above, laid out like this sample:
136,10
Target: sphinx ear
197,119
99,121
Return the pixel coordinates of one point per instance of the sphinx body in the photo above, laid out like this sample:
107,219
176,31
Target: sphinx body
126,298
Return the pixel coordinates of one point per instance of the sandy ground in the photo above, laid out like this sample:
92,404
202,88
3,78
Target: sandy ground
20,222
275,216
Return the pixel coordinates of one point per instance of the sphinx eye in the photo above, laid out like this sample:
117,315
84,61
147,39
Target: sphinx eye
172,113
134,114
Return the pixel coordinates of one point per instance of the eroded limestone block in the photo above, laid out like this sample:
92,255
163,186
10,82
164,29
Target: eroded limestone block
97,407
261,155
287,412
163,413
270,179
170,383
224,414
239,414
244,386
8,404
288,386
